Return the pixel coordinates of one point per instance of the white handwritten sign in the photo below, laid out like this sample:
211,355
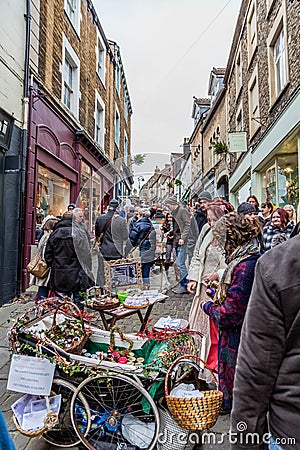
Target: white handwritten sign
30,375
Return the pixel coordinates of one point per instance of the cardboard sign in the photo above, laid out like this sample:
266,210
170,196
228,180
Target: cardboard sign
30,375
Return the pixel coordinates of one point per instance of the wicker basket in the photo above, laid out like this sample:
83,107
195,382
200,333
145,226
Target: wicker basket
141,306
76,347
50,421
194,413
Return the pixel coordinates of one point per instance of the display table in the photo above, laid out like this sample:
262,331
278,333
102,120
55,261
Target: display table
109,317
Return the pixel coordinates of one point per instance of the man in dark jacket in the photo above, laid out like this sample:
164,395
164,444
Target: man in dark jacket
181,227
114,232
197,221
68,254
143,235
266,385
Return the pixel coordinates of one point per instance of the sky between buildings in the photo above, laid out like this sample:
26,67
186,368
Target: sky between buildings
168,49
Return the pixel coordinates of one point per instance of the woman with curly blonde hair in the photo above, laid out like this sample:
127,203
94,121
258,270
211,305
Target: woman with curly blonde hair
237,236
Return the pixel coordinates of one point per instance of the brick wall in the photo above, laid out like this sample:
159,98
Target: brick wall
54,24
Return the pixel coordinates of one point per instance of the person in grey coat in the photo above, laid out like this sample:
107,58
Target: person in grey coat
266,391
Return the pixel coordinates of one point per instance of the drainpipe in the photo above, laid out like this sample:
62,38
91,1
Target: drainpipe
23,155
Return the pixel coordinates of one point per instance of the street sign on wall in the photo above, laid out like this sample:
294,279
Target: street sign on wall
238,142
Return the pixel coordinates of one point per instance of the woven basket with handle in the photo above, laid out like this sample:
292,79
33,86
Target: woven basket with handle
49,422
194,413
76,346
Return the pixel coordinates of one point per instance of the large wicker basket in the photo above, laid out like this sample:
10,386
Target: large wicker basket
194,413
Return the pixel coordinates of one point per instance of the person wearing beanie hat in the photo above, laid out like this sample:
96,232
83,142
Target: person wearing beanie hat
71,206
113,205
171,200
248,210
205,195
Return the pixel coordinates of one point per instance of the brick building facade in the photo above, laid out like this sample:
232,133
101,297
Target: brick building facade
80,120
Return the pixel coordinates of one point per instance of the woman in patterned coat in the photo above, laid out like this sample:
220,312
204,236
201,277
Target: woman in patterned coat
237,234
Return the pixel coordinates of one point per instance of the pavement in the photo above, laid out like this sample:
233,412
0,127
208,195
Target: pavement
176,306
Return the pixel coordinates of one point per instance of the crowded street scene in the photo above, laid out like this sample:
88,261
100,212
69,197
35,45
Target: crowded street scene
149,265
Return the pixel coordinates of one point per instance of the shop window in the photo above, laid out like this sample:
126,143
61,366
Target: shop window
85,191
288,189
96,197
280,183
53,195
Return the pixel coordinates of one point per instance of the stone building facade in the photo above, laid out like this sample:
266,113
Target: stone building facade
263,80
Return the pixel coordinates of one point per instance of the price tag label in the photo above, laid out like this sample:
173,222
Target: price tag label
30,375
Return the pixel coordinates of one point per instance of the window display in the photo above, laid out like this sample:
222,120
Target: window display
90,194
280,183
53,196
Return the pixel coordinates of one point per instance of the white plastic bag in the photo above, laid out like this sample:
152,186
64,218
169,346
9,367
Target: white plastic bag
137,432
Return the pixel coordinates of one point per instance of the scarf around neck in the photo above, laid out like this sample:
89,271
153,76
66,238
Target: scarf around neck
241,253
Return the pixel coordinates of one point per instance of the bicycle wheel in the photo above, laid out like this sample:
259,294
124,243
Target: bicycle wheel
123,415
63,434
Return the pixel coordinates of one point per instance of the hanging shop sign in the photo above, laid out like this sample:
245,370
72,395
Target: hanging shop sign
238,142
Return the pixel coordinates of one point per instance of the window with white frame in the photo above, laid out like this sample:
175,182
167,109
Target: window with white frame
125,149
118,78
279,63
72,9
125,109
117,128
278,59
251,31
239,121
254,103
100,58
70,69
99,120
238,74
